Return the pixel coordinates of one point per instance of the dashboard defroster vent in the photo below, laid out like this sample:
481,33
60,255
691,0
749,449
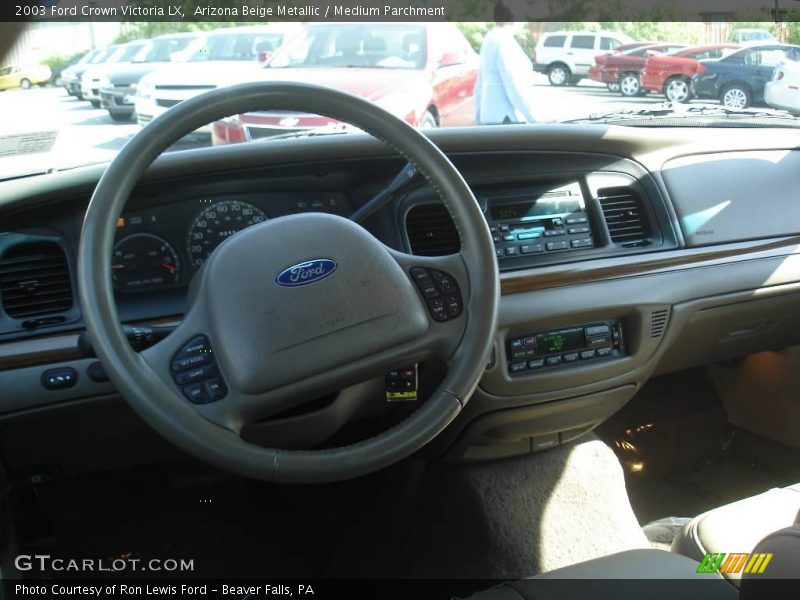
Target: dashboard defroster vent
624,215
658,322
431,231
35,280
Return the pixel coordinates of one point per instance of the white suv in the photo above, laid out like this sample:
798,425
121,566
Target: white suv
565,56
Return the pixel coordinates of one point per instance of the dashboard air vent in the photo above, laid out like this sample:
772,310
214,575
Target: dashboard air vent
624,214
431,231
34,280
658,322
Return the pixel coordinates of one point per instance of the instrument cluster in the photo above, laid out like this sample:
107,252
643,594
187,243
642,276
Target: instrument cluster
163,246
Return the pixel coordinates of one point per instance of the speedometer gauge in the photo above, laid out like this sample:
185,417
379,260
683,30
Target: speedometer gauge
217,223
144,261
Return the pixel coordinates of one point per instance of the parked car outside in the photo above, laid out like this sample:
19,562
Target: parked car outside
624,68
25,77
784,89
223,55
738,79
566,56
96,77
600,59
55,72
71,76
671,73
746,35
118,87
423,73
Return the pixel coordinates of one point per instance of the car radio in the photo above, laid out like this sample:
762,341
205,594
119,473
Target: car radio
538,220
564,347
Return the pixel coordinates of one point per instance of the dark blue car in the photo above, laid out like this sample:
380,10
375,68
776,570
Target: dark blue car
738,80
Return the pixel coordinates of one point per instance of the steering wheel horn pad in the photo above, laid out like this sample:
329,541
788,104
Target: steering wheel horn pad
279,341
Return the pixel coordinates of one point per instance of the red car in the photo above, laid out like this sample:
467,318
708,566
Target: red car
421,72
672,73
600,59
623,68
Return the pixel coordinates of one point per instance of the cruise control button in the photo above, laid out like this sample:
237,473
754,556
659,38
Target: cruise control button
587,354
215,389
193,375
196,393
553,360
195,360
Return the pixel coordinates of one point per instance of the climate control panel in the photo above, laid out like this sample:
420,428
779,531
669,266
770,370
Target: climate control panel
569,346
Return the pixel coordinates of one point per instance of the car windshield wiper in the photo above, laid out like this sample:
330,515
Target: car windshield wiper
302,133
693,115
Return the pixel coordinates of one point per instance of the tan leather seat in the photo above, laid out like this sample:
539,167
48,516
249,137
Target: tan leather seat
738,527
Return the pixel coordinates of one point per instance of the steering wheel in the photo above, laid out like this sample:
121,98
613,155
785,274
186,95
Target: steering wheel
296,306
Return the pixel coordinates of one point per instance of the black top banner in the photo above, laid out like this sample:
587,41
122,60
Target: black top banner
402,10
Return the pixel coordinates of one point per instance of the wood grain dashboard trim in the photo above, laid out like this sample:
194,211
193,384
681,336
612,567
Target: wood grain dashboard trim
643,264
64,347
52,349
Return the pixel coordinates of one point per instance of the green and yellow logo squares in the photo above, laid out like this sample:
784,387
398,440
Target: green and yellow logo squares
736,562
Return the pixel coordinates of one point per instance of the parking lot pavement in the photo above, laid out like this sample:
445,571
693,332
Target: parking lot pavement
86,134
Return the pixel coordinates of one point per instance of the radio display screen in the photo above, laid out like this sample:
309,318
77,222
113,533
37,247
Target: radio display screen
559,341
540,207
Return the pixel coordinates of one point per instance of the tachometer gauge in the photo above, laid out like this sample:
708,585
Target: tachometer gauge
143,261
217,223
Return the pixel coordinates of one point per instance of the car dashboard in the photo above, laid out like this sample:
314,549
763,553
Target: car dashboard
622,252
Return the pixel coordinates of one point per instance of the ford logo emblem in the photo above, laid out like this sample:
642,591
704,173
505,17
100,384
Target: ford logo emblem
306,272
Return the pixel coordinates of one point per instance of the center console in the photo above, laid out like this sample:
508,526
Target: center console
565,347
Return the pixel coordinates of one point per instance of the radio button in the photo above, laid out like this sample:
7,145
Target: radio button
493,228
499,252
575,220
570,357
453,302
587,354
529,235
574,230
517,367
504,228
601,352
438,309
531,248
556,245
553,232
509,237
536,363
496,238
444,282
557,222
583,243
551,361
511,251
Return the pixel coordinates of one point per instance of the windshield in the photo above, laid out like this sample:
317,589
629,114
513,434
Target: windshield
162,49
236,46
429,74
342,46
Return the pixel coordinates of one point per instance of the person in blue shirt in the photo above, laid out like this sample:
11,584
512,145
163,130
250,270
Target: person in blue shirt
504,79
